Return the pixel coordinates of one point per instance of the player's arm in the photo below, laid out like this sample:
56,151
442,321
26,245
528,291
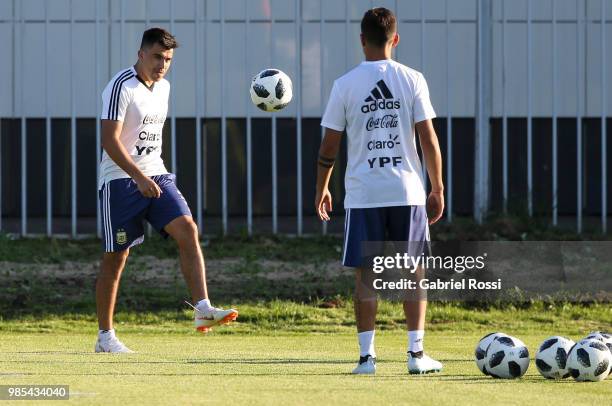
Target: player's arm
111,130
433,158
327,158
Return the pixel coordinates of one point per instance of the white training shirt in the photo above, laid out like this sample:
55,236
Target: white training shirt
143,112
378,103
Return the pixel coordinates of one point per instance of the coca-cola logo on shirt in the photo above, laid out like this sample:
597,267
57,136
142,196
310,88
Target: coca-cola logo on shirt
154,119
386,121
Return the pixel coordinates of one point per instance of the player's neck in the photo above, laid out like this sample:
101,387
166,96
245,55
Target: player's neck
373,54
377,58
140,72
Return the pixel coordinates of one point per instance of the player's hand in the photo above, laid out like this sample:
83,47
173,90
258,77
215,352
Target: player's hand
148,187
435,206
323,204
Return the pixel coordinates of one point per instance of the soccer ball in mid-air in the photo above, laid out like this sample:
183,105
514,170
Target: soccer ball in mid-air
271,90
507,358
589,360
551,358
481,350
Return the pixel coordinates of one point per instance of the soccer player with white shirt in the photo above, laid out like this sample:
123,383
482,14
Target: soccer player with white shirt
134,186
380,103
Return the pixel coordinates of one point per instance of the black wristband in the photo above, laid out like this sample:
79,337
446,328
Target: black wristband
325,165
326,162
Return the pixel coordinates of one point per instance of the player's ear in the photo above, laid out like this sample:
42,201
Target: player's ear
140,54
396,40
363,41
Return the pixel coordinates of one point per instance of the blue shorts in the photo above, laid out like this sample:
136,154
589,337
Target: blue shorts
124,210
406,224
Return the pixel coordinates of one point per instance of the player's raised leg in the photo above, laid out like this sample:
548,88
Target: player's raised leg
185,232
107,285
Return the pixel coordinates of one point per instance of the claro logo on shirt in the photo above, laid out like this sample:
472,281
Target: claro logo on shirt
380,98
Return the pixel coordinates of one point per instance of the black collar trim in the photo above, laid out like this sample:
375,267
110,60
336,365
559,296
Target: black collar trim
150,88
145,85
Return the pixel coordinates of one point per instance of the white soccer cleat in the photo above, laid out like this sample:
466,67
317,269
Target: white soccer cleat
206,319
419,363
366,366
112,345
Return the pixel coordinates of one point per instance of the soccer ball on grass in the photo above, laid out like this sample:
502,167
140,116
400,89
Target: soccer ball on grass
589,360
507,358
481,350
551,358
605,338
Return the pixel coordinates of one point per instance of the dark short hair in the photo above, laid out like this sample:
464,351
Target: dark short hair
378,26
159,36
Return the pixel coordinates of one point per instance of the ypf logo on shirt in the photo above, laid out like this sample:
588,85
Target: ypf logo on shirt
380,98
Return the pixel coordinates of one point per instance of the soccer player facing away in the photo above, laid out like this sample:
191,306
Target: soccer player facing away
134,186
380,103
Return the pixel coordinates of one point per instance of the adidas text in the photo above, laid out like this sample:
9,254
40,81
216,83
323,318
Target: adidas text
381,105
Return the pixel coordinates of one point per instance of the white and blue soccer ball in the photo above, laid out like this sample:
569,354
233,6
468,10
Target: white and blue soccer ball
271,90
480,351
605,338
589,360
507,358
551,358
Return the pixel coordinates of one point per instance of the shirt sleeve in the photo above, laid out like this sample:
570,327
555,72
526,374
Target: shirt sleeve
335,113
115,100
422,109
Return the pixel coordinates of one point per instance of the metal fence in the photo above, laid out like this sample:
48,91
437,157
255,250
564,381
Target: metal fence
471,51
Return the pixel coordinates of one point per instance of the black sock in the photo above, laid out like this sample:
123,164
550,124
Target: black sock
364,359
416,354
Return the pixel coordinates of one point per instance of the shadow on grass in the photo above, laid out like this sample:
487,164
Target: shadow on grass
268,361
203,361
459,378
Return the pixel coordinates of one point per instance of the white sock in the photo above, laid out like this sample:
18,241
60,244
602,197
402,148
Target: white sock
366,343
106,334
204,305
415,340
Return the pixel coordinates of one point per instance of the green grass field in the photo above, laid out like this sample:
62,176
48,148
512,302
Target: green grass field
294,342
286,353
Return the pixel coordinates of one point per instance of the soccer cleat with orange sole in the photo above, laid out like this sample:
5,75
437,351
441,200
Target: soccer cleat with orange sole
206,319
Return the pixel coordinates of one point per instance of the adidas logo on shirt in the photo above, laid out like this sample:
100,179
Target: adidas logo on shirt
380,98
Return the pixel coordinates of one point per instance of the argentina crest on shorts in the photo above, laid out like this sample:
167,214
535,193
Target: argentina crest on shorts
121,236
